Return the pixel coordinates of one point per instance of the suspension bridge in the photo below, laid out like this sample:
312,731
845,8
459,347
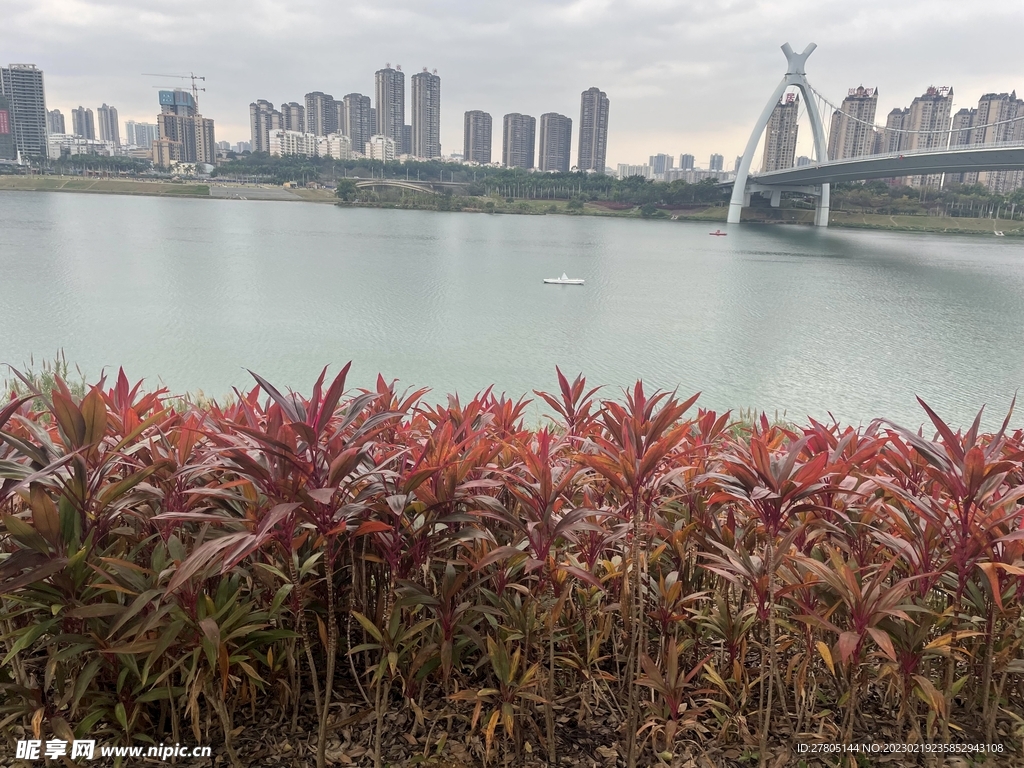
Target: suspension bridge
815,179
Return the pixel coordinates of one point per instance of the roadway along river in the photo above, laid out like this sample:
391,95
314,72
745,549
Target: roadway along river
787,319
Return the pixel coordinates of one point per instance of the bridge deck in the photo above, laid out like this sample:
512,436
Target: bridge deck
966,160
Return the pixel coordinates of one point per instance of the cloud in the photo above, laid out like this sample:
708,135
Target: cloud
681,75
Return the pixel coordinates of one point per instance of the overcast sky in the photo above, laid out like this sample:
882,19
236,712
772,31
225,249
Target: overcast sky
681,75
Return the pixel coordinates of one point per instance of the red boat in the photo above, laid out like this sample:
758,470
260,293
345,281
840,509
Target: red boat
718,233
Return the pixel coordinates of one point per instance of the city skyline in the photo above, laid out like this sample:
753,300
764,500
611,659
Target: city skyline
324,114
685,77
849,134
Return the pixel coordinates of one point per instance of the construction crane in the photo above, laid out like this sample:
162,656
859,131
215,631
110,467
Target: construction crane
190,76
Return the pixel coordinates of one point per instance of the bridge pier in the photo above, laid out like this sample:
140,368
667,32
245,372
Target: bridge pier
795,76
774,194
821,213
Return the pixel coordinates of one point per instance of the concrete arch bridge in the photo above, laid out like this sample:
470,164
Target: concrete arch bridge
429,187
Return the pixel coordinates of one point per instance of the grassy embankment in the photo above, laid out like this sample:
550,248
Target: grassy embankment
103,186
896,223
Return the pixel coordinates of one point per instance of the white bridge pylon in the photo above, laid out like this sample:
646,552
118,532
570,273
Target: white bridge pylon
795,76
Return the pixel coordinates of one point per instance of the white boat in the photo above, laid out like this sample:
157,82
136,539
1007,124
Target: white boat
564,280
999,234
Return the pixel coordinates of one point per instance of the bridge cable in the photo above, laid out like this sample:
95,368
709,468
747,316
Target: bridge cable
826,123
903,130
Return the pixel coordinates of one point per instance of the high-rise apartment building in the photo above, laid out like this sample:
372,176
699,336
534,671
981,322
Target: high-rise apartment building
960,136
194,134
518,140
55,121
928,120
426,114
389,92
321,116
555,143
878,141
852,132
476,145
404,147
593,130
293,117
780,135
998,113
185,135
893,136
998,118
263,119
661,164
927,126
83,123
340,116
960,129
716,163
686,162
107,125
22,84
8,151
140,134
358,124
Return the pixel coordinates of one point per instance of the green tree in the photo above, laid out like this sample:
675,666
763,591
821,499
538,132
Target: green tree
346,189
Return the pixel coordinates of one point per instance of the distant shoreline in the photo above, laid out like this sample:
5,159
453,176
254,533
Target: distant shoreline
214,190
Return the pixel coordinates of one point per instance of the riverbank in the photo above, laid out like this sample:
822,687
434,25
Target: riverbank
160,188
892,223
103,186
228,191
717,214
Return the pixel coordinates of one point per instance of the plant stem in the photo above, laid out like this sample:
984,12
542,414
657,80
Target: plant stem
293,574
332,647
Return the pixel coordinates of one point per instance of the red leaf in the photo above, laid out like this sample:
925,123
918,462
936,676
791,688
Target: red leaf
848,642
371,526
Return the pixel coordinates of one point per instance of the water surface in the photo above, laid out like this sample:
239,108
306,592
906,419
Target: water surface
190,293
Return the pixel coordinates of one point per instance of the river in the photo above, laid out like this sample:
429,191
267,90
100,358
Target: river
797,321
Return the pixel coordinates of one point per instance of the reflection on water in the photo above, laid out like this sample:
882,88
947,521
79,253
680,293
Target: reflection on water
192,292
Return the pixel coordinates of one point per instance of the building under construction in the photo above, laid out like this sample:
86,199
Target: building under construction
184,135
